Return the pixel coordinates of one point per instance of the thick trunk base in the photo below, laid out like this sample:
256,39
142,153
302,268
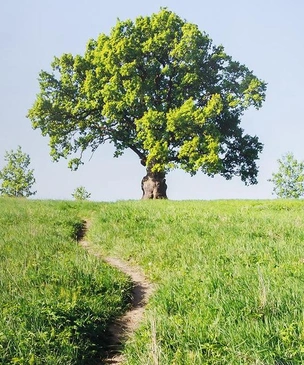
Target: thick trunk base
154,186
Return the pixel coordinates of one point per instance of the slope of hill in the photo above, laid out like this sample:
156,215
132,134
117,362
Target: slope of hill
228,276
56,300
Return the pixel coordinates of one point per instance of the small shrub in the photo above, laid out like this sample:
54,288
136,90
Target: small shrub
80,193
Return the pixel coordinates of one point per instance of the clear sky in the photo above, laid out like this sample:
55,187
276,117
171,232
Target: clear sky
266,35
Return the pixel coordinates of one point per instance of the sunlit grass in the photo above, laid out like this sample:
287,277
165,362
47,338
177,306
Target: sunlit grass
229,281
230,277
55,299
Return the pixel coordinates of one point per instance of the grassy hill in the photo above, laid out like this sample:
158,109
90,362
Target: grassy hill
55,300
229,278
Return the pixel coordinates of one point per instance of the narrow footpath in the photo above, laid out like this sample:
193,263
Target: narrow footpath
123,327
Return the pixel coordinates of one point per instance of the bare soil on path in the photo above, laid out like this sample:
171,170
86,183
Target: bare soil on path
120,330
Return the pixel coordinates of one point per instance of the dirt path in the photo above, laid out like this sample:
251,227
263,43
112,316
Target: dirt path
123,327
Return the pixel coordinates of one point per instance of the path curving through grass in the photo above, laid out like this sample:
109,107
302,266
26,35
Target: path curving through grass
123,327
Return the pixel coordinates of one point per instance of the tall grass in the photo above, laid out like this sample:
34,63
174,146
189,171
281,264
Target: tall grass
230,278
55,300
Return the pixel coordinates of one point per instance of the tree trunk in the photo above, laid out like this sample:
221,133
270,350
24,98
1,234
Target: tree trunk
154,185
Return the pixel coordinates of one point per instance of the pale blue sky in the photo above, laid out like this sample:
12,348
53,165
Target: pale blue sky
265,35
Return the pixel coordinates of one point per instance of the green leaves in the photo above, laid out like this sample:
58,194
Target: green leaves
289,179
17,178
81,193
156,85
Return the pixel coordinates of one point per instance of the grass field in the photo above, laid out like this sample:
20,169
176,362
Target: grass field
55,299
229,278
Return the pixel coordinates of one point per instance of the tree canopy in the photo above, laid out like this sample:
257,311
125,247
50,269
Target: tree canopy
17,178
158,86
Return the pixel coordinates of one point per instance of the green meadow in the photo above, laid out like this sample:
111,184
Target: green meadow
55,300
229,278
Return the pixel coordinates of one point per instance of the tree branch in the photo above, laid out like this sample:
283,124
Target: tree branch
138,152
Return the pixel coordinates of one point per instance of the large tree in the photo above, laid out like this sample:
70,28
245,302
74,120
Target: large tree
160,88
